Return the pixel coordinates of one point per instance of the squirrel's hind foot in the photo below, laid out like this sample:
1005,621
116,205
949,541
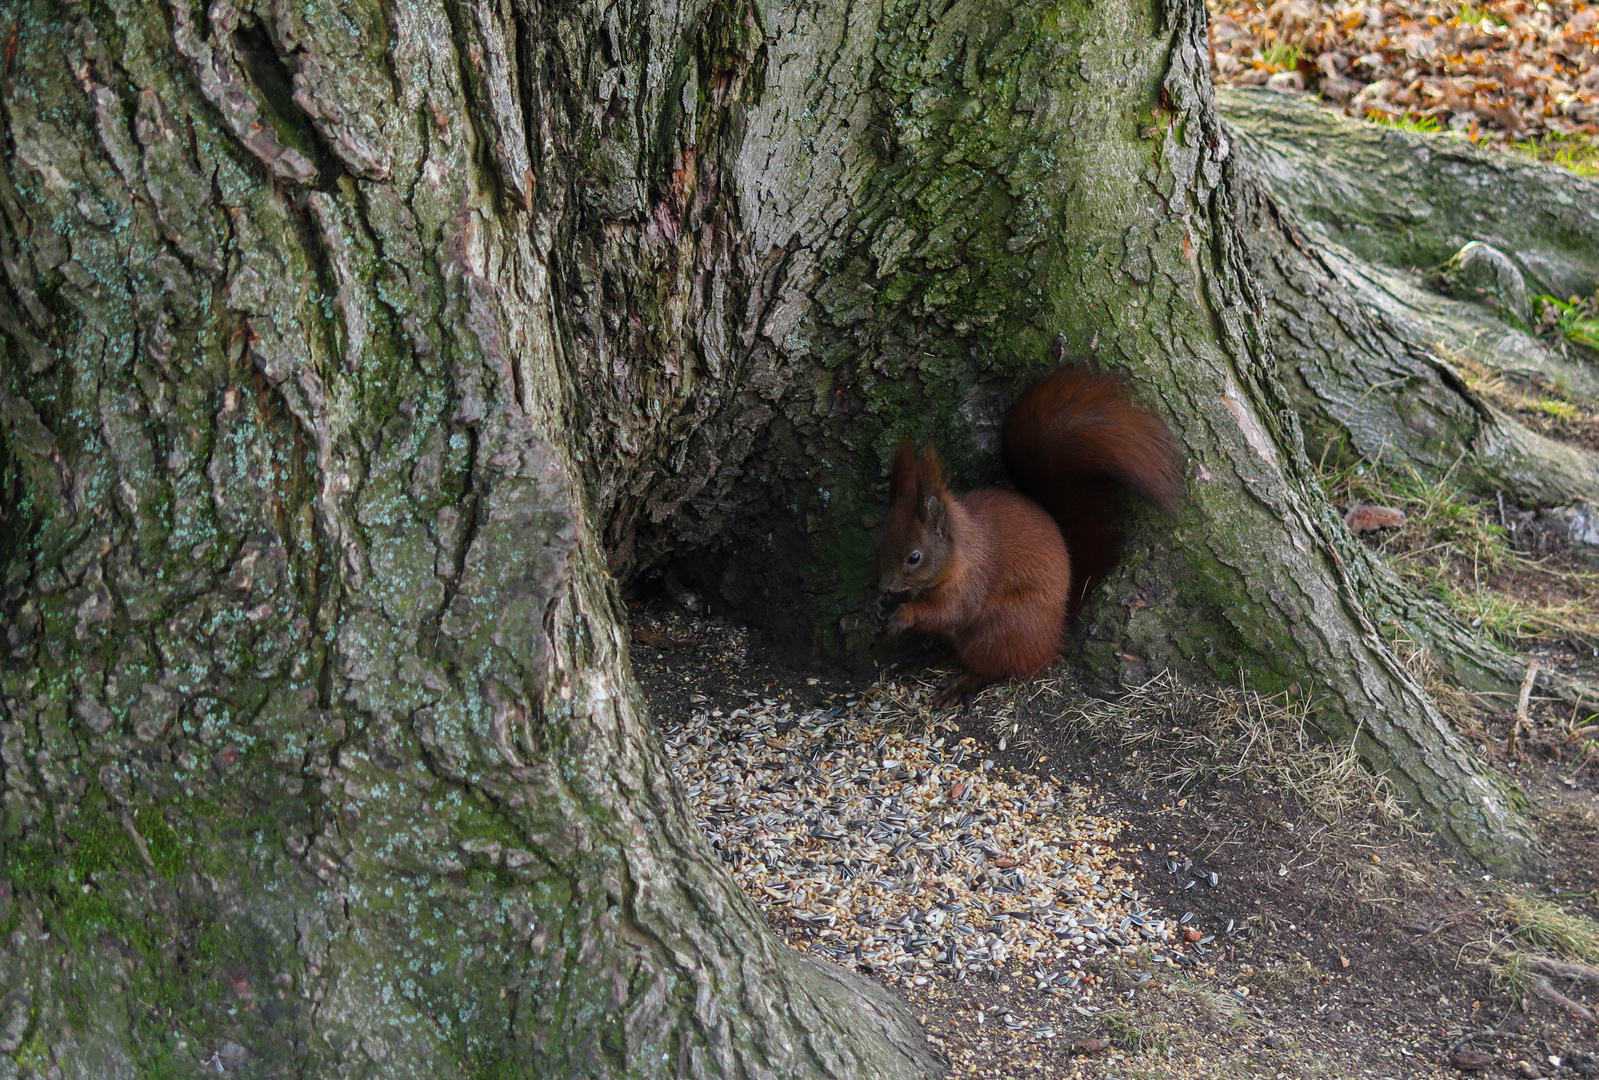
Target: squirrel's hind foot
961,689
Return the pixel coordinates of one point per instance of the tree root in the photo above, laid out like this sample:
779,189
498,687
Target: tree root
1365,355
1368,353
1541,984
1546,990
1562,970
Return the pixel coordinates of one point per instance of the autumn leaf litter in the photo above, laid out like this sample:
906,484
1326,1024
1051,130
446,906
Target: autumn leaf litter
1496,71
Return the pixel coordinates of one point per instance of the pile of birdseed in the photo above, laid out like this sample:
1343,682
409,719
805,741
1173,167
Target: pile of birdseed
903,851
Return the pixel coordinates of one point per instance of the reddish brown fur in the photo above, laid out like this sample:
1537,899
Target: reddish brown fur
1075,441
988,572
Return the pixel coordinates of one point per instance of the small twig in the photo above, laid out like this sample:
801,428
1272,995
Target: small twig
1484,1036
1521,704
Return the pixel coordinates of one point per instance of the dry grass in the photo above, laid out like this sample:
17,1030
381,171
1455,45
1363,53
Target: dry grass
1551,408
1532,926
1549,927
1178,737
1216,1006
1186,735
1133,1032
1183,734
1579,737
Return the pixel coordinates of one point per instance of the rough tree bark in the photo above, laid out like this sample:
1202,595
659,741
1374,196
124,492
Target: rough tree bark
321,752
347,346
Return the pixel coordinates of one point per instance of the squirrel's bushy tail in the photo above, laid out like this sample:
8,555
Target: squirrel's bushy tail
1074,442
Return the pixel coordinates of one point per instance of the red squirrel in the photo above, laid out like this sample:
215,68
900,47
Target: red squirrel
995,574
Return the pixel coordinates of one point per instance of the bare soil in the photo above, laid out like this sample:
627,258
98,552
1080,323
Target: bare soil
1357,949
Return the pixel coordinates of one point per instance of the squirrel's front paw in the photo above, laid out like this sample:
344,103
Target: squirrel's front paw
882,606
898,622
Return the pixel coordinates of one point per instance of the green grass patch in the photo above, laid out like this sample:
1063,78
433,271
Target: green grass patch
1538,926
1281,56
1547,926
1454,548
1420,125
1439,514
1578,153
1560,410
1509,619
1576,319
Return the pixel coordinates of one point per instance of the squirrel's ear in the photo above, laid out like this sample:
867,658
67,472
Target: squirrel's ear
902,476
934,515
930,472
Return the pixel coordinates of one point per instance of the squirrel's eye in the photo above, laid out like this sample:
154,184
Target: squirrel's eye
914,558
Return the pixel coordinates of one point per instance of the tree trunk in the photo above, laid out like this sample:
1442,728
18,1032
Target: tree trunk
321,752
347,347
